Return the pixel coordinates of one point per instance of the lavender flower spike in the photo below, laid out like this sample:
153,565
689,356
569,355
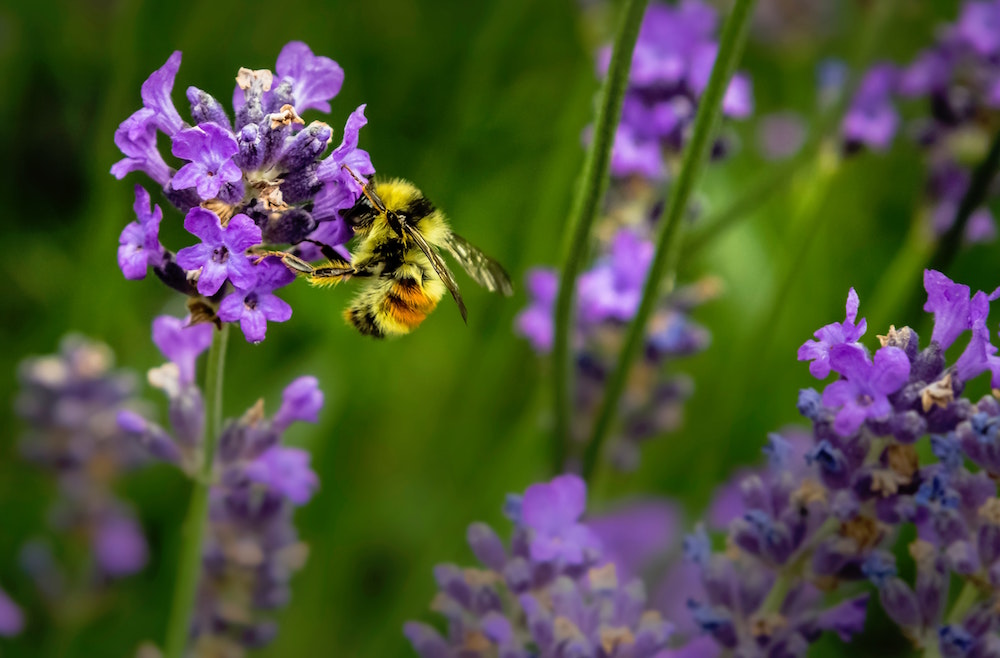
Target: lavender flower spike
139,244
836,333
181,342
221,253
253,306
210,149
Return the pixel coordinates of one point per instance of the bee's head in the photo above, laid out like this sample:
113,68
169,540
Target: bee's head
361,215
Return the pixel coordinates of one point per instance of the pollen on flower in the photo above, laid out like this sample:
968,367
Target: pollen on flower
248,78
286,116
939,393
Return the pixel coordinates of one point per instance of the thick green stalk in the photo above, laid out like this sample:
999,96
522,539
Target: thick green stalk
665,261
189,570
590,190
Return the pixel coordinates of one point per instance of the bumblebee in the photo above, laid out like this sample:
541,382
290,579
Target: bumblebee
400,233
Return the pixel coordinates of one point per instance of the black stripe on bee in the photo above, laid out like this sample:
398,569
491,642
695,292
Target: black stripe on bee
418,209
362,319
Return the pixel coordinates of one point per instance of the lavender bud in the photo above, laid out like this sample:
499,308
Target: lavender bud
205,108
486,546
306,146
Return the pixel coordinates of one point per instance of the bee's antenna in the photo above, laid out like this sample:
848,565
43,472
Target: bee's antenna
365,189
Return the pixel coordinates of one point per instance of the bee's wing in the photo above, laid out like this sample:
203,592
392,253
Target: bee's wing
439,266
483,269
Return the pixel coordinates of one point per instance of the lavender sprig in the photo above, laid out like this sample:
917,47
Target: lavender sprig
241,548
258,182
550,593
824,520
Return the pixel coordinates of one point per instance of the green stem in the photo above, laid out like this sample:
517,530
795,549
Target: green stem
966,598
590,190
189,570
979,188
664,262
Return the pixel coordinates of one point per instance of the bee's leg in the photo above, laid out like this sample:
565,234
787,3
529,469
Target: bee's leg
291,261
328,252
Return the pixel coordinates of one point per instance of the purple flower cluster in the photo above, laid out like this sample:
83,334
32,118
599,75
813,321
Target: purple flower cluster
252,549
826,515
608,296
957,81
257,181
550,593
671,64
68,402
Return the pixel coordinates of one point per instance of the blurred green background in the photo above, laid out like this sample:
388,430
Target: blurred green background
482,105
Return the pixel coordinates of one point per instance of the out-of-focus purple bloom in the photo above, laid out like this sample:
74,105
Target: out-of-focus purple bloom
780,135
977,355
301,400
314,79
535,322
979,26
928,74
636,533
552,511
519,607
139,243
222,252
838,333
872,119
635,155
182,343
863,393
11,617
119,545
69,403
254,306
286,471
210,149
613,288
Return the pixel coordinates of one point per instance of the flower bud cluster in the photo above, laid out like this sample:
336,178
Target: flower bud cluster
549,593
826,516
259,181
671,64
956,84
251,548
68,402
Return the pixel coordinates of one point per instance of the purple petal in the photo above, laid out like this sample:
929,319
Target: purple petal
212,276
156,92
850,360
242,233
634,534
892,369
838,394
286,471
847,619
949,302
849,419
193,257
274,308
241,271
231,307
254,324
204,224
188,176
315,79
